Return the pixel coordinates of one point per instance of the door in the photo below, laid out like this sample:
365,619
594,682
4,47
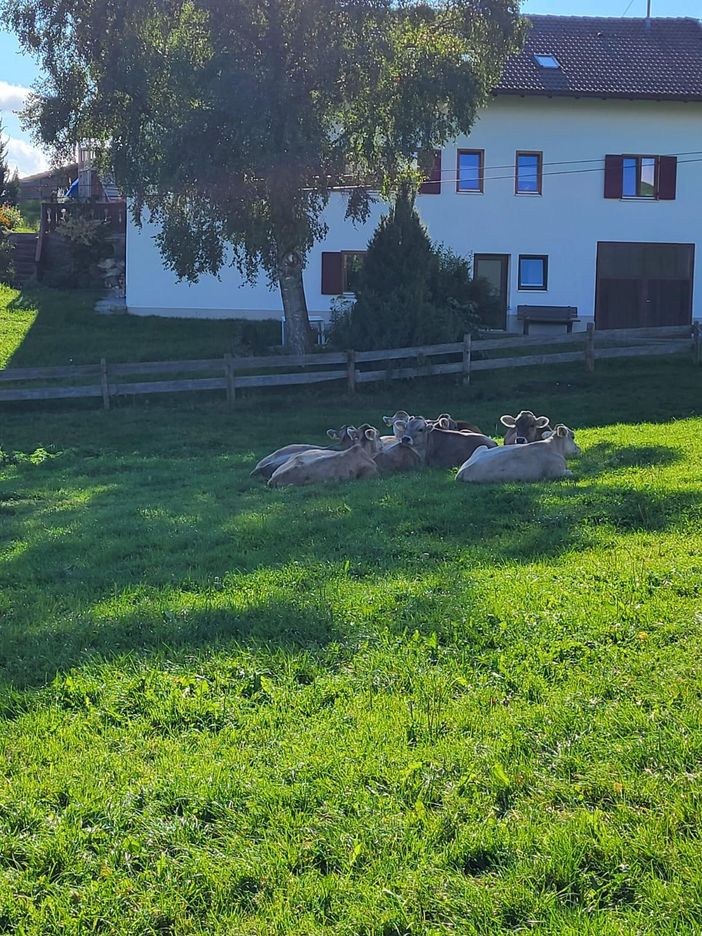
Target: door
495,269
644,285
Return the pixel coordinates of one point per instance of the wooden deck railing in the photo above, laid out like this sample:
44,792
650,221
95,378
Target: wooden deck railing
53,214
230,374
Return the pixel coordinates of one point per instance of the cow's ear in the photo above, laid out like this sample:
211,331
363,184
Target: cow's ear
333,433
508,421
561,430
443,423
388,420
541,422
371,434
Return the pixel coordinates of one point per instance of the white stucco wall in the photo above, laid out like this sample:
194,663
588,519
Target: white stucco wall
565,222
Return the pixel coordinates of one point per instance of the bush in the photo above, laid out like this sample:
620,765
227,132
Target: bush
7,269
88,242
410,291
10,218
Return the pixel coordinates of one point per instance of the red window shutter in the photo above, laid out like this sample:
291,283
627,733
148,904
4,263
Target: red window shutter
332,274
433,185
613,177
667,177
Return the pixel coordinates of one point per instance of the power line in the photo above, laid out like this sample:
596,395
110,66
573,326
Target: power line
563,162
455,177
573,162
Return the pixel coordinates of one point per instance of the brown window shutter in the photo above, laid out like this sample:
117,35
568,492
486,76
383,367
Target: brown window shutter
667,177
332,278
613,177
433,185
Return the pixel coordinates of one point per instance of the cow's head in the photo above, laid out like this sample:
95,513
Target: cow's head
564,439
368,438
397,422
525,426
416,432
445,421
345,437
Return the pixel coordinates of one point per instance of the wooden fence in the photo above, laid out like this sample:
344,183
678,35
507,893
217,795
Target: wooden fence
107,381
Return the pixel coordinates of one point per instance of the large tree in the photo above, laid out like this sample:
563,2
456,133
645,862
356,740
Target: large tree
232,121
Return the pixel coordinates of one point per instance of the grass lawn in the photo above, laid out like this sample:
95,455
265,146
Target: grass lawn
49,327
400,706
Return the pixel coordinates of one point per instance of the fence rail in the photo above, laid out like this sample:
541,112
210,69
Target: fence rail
229,374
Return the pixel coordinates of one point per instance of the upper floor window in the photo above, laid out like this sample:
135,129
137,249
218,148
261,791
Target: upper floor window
470,171
639,177
528,174
653,177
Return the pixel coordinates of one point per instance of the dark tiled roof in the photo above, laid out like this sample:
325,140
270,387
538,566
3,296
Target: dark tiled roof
603,57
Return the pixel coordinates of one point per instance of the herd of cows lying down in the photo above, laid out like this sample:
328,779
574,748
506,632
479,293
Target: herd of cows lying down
532,451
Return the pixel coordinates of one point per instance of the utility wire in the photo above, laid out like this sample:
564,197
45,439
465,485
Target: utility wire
455,177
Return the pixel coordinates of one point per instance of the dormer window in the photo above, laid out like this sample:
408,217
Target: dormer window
547,61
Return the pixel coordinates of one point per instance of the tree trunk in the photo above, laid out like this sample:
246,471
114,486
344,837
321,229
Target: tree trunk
298,335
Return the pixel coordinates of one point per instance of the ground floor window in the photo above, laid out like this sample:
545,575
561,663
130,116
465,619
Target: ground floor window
351,266
533,272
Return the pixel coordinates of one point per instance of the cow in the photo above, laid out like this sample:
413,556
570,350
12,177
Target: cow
442,448
397,457
446,421
345,437
525,427
396,423
346,465
533,461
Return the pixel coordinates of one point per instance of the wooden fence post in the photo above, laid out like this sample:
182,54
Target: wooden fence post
351,371
467,350
696,343
229,377
590,347
105,383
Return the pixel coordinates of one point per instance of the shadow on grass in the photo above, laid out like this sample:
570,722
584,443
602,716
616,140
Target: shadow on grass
608,456
112,559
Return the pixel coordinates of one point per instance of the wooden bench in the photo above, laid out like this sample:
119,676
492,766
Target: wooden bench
558,315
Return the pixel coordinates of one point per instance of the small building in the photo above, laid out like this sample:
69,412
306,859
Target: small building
43,185
580,185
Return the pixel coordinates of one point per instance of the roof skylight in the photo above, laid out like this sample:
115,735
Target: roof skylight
547,61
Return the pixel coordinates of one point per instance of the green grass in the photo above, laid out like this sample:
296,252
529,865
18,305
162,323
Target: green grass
402,706
47,327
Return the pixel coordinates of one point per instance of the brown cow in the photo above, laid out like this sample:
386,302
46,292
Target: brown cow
397,457
442,448
525,427
446,421
345,438
395,423
348,465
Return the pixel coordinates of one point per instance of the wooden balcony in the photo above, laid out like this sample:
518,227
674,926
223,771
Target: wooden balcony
53,214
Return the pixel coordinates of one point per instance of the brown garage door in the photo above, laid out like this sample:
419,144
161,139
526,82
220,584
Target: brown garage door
644,285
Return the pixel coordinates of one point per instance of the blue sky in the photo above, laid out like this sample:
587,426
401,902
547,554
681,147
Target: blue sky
17,71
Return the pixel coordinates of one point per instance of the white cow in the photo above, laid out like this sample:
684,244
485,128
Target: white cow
534,461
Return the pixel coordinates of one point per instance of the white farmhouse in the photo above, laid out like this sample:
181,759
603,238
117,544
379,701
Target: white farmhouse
579,186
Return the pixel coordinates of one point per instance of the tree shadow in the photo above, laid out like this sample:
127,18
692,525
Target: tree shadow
608,456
